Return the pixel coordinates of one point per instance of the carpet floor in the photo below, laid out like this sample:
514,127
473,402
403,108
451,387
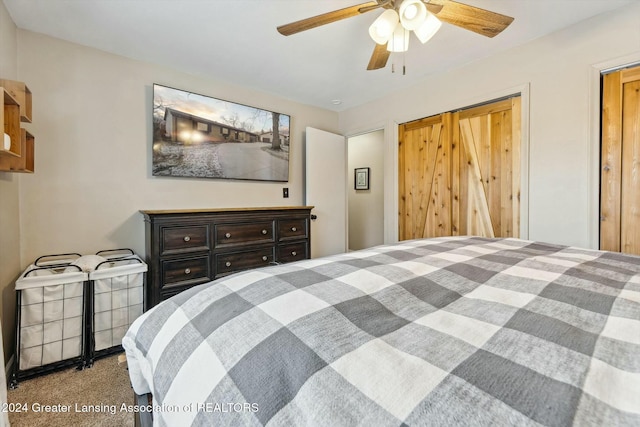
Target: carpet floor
92,397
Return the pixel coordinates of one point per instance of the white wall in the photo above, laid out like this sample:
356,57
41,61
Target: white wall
92,123
558,70
366,207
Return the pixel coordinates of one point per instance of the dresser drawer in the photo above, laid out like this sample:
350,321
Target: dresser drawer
295,228
292,252
243,233
184,239
186,271
236,261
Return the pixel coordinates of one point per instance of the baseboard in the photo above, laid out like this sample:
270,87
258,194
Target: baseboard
8,368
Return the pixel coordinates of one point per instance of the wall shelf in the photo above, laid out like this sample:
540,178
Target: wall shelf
24,163
10,123
21,93
15,101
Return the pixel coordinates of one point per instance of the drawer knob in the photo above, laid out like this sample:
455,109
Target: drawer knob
228,235
186,238
294,229
264,258
294,253
187,271
228,263
264,231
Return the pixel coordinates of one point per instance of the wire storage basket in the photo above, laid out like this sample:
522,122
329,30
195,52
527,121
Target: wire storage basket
50,316
116,288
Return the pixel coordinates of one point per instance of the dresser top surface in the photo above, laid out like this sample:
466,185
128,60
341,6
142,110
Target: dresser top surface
214,210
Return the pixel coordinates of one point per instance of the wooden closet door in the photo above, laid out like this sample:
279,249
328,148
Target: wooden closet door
459,173
425,177
486,170
620,162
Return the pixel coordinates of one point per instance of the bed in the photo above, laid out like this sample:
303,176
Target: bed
439,332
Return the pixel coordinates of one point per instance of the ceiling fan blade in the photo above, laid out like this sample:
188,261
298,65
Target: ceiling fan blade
433,8
379,57
472,18
326,18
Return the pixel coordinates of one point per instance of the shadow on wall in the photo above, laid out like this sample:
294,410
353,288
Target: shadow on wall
131,234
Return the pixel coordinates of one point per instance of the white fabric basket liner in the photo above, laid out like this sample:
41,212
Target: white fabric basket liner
39,278
106,271
51,314
52,352
118,299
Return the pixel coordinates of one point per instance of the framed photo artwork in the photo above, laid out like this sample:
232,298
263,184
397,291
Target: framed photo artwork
361,179
203,137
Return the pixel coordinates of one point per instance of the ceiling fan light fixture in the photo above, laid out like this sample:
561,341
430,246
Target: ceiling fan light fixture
403,16
399,42
382,28
428,29
412,14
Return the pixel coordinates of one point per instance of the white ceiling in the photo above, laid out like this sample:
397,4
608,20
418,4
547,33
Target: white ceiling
237,41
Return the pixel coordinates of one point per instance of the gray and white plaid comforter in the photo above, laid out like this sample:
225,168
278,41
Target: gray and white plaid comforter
438,332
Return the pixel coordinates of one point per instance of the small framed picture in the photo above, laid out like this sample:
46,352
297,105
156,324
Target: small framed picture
361,181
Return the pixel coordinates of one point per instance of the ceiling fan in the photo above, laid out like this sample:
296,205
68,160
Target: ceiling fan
391,30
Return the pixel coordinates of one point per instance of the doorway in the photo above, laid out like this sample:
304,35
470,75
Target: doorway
365,202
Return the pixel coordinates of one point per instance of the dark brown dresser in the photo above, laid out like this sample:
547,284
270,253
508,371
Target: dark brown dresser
190,247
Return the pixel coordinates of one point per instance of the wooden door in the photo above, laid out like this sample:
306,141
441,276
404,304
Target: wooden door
620,162
425,177
326,190
486,170
460,173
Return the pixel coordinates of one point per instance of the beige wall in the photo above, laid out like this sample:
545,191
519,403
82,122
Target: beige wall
9,200
366,207
92,123
558,70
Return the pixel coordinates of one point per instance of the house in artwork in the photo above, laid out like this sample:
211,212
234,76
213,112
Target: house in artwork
186,128
268,137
